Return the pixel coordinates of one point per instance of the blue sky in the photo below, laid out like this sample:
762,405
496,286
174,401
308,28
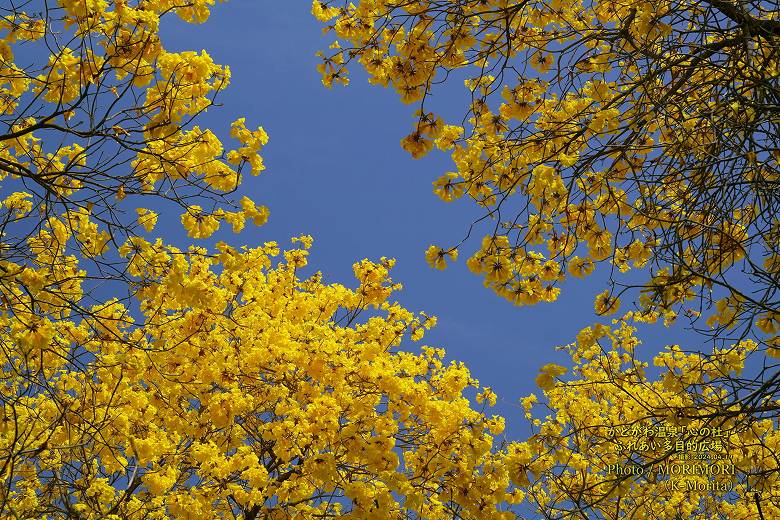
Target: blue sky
335,170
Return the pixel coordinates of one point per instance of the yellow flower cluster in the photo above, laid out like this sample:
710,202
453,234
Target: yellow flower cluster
243,387
574,141
253,141
115,59
571,452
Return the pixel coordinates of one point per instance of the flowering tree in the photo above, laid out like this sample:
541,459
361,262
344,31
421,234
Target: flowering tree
94,111
622,438
243,390
224,383
641,135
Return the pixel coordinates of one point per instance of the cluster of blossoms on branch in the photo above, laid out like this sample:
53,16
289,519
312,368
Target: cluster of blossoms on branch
225,381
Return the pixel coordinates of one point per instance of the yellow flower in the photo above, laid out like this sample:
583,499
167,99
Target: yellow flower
580,267
147,218
605,304
546,378
416,145
541,61
769,323
435,256
488,395
197,224
448,188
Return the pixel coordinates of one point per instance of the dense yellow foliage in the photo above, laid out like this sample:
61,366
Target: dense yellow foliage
241,389
225,384
618,414
641,134
605,131
229,384
120,108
